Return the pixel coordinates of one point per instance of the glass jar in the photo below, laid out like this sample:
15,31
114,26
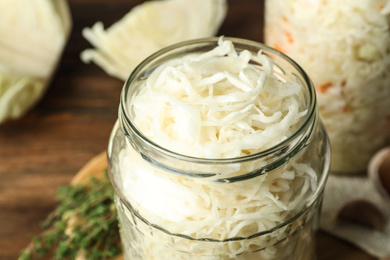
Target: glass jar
344,46
263,205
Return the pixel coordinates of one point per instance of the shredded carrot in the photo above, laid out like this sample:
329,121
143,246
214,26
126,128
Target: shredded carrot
324,88
381,7
346,109
277,47
289,37
285,19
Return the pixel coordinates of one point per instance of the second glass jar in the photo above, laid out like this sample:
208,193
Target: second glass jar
344,46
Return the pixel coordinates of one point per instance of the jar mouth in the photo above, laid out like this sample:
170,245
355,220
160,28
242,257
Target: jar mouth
304,125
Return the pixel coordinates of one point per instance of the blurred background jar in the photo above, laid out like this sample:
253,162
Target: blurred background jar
344,46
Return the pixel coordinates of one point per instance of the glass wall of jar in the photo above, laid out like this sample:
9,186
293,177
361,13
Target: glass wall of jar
263,203
344,46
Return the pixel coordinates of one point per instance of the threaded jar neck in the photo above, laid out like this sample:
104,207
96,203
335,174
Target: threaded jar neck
214,168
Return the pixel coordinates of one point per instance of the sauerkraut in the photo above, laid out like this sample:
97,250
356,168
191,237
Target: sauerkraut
344,46
219,104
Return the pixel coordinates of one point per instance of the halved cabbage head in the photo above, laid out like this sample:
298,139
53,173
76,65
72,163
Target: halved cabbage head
32,37
149,27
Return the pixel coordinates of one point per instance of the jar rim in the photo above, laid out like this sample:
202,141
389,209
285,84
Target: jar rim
311,108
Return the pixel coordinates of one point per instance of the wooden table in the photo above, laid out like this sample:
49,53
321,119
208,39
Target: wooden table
72,123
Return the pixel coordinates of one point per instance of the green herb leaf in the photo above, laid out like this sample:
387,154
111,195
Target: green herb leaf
84,223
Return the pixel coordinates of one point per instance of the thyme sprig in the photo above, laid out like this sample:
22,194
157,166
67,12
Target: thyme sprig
84,225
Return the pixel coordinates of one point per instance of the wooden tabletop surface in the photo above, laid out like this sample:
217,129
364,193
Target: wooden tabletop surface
71,124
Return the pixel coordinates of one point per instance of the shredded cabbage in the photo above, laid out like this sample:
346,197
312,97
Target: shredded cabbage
204,107
149,27
344,47
218,104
